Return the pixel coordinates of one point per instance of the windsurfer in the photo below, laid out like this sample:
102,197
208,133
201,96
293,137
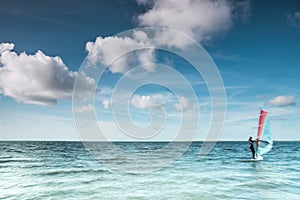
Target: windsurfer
251,145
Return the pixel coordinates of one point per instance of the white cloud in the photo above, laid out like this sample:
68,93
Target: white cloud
142,102
281,101
38,78
41,79
200,19
183,104
84,109
6,47
109,51
106,104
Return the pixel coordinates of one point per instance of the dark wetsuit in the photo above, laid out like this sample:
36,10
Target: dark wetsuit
252,148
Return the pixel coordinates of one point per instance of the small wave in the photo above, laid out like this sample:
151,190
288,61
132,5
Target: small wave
72,171
6,157
15,151
22,160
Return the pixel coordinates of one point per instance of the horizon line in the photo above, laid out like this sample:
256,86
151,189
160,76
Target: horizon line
166,141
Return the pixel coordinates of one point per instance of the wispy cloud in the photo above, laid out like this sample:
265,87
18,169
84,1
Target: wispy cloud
104,91
293,19
229,58
242,10
84,109
262,96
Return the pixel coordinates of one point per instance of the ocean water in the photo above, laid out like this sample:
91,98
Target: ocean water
66,170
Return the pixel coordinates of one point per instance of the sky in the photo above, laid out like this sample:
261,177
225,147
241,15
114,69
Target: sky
251,48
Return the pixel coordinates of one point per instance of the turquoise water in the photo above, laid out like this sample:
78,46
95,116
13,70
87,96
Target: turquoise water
66,170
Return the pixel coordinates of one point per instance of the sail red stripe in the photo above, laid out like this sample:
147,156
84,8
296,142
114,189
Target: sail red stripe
262,118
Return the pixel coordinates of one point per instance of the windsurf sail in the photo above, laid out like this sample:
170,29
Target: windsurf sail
264,137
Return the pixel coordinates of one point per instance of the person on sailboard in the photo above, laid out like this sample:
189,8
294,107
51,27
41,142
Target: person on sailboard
251,146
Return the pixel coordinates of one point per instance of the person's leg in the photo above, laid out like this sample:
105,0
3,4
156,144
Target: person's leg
253,153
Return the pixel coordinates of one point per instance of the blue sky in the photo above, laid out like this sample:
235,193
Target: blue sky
254,44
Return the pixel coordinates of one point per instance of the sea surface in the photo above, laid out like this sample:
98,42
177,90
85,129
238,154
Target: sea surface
67,170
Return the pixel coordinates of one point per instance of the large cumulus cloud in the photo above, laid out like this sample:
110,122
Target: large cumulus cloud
199,19
36,79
